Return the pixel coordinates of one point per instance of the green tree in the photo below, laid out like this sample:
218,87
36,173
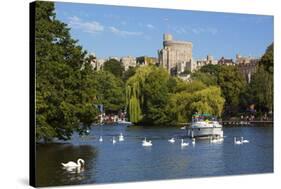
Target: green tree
110,91
64,97
207,78
115,67
232,84
260,90
129,73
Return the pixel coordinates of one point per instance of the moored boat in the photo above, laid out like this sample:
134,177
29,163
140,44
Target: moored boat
204,125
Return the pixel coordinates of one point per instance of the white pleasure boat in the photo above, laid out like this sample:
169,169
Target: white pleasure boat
204,125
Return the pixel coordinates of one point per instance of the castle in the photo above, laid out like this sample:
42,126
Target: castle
176,58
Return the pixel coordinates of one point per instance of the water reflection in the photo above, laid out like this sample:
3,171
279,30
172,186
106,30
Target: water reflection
130,161
50,171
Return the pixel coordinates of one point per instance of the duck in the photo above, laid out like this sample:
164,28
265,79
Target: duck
146,143
100,139
184,143
172,140
121,137
80,163
237,141
244,141
113,140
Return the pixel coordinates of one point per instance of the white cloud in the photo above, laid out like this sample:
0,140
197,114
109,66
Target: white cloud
86,26
123,32
196,30
150,26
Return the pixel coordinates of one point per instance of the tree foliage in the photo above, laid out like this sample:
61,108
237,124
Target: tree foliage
64,97
115,67
155,97
110,91
260,91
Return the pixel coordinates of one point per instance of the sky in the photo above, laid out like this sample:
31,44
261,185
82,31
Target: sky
131,31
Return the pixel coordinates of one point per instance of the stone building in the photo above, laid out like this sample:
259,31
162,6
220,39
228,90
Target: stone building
146,60
98,64
128,61
209,60
247,66
224,61
176,56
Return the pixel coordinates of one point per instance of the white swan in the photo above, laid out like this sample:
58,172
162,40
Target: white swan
80,162
237,141
146,143
184,143
193,141
113,140
121,137
244,141
100,139
172,140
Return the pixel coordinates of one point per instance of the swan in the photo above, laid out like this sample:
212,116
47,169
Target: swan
100,139
113,140
146,143
80,162
237,141
193,141
172,140
244,141
184,143
121,137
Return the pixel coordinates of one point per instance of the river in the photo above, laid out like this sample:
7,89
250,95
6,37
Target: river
129,161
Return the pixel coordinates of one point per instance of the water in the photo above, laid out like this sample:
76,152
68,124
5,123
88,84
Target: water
130,161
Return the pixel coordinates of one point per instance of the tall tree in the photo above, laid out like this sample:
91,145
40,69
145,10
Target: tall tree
115,67
260,90
110,91
64,97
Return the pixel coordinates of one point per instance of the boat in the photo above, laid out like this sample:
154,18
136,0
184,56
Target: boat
124,122
204,125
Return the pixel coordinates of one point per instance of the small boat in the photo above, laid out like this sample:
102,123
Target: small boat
124,122
204,125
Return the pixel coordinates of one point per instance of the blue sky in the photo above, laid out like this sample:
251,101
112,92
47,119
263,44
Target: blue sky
122,31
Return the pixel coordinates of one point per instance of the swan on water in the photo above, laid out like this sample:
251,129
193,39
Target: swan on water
193,141
113,140
237,141
100,139
80,162
172,140
121,137
146,143
184,143
244,141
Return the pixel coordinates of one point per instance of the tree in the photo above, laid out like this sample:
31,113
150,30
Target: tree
207,78
110,91
232,84
260,90
129,73
64,97
155,97
115,67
